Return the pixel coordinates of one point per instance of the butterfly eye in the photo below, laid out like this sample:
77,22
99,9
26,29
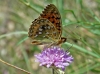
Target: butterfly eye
63,39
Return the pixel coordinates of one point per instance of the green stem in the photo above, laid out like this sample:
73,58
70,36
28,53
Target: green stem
52,71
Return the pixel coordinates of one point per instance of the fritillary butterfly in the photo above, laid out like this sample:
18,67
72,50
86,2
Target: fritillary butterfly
47,29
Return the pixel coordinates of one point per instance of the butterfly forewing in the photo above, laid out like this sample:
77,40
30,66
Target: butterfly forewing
52,14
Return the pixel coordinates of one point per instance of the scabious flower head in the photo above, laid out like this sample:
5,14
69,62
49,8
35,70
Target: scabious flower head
54,57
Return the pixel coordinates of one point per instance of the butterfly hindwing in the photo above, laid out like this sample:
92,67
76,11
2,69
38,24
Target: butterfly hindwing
43,30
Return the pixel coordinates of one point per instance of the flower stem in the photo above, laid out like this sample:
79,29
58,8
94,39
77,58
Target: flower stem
53,71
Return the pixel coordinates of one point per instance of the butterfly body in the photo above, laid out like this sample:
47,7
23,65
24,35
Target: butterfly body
46,29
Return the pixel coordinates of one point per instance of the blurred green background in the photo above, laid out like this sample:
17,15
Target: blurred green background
81,26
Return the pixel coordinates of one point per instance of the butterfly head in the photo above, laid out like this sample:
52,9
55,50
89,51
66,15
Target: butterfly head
63,39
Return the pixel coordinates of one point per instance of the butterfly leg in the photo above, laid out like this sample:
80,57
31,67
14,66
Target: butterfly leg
58,43
52,43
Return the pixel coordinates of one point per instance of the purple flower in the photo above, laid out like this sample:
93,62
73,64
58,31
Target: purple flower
54,57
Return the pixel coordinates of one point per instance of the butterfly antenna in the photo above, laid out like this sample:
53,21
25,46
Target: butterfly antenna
69,48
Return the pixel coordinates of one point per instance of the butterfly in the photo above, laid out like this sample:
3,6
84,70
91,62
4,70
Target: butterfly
47,28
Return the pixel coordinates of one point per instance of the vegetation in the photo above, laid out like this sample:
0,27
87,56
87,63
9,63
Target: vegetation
81,26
